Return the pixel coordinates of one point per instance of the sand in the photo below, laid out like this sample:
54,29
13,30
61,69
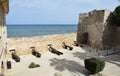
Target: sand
22,45
71,63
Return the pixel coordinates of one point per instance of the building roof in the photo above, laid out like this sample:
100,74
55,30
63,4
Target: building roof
5,4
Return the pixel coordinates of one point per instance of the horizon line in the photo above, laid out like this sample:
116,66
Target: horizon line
41,24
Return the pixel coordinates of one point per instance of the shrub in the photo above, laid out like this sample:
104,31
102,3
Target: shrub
33,65
37,65
116,16
94,65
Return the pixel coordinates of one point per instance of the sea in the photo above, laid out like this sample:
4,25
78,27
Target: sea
15,31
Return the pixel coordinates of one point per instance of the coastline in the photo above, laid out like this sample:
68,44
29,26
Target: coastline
18,31
38,36
22,45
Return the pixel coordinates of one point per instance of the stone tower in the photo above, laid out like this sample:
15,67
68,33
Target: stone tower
4,8
96,30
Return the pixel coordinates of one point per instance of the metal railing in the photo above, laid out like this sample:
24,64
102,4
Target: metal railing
112,51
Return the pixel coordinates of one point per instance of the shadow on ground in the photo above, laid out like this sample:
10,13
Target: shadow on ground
114,59
71,66
80,55
83,56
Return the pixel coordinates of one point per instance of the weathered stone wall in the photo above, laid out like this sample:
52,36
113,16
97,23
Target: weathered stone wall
2,40
117,36
101,33
2,29
95,28
111,36
92,23
82,28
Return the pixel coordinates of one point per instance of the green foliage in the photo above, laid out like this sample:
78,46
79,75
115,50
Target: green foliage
33,65
37,65
94,65
116,16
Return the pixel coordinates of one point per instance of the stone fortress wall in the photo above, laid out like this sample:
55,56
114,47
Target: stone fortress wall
4,9
96,30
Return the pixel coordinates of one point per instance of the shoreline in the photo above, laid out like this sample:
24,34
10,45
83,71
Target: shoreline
22,45
39,36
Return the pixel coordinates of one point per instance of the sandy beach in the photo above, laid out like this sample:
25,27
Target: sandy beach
58,37
22,45
71,63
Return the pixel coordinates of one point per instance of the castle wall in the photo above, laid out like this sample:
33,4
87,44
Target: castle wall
95,28
101,33
82,28
93,24
111,34
117,37
2,30
3,35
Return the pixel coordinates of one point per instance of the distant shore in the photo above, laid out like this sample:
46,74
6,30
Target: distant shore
22,45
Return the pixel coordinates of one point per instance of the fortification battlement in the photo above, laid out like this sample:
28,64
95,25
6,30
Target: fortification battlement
104,13
95,29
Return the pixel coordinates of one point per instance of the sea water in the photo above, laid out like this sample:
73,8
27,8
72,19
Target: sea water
39,30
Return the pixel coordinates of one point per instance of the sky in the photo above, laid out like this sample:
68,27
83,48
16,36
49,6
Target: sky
53,11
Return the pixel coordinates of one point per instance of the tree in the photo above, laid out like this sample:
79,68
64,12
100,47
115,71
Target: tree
116,16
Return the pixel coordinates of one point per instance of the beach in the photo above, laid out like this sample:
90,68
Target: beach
71,63
59,38
22,45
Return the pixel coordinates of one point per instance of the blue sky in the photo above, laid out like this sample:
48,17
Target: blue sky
53,11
